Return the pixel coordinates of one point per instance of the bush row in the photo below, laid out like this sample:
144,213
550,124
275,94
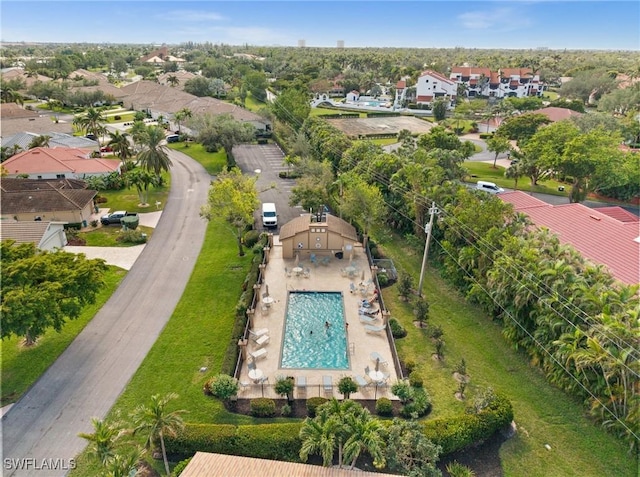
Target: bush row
271,441
282,442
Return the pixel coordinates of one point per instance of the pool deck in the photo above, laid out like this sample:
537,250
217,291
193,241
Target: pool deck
328,277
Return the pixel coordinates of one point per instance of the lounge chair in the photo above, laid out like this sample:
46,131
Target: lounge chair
263,340
367,319
260,353
258,333
301,384
327,384
363,383
376,356
352,287
374,329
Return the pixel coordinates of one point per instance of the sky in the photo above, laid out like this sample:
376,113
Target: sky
515,24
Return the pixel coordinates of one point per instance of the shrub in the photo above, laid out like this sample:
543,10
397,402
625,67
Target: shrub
410,364
313,403
403,391
415,380
220,438
346,386
384,407
131,236
130,222
251,238
383,279
284,387
405,284
117,118
396,329
177,470
263,407
486,135
286,410
270,441
222,386
94,223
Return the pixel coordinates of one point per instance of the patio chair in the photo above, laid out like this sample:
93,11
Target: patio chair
263,379
307,273
260,353
258,333
362,382
313,259
301,384
352,287
325,261
244,385
263,340
327,384
251,365
376,356
287,272
374,329
367,319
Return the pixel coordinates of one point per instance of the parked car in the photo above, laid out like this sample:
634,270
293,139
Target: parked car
106,149
489,187
173,138
116,217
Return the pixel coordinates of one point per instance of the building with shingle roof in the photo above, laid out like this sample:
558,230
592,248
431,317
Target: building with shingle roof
59,163
598,235
23,139
45,235
303,235
46,200
557,114
205,464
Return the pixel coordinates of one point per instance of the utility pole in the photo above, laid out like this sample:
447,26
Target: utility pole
427,229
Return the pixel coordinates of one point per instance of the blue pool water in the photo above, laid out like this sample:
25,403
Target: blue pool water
307,342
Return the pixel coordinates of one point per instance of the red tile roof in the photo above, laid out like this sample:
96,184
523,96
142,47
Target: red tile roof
596,235
470,70
401,84
436,75
557,114
619,213
58,160
424,98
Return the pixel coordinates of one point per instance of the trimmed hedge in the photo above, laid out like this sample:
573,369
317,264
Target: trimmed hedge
459,432
313,403
269,441
263,407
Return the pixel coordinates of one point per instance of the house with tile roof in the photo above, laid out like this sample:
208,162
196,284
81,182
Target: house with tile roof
58,163
557,114
16,119
609,236
432,86
65,200
504,83
44,235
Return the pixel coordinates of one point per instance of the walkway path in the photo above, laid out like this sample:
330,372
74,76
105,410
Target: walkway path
90,375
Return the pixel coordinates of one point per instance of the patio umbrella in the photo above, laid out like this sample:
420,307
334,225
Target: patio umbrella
295,263
377,364
362,276
266,289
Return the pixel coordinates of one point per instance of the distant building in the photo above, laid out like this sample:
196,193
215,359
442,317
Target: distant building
504,83
432,86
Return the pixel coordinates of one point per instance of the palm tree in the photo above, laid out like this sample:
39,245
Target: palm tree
119,143
173,80
365,435
181,115
39,141
317,436
8,95
91,123
138,131
104,439
154,156
155,421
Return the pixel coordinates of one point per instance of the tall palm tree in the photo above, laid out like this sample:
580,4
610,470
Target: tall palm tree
154,156
8,95
365,435
184,113
156,422
119,143
104,439
91,123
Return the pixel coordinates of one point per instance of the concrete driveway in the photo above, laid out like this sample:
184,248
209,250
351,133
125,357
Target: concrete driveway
42,428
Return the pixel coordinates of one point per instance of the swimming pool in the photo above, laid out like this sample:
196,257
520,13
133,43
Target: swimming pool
308,343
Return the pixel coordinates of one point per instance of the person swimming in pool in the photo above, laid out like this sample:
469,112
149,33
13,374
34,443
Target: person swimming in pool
327,325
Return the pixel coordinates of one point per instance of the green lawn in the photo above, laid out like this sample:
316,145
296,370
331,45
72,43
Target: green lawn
127,199
105,236
544,414
328,112
213,162
253,104
21,366
482,171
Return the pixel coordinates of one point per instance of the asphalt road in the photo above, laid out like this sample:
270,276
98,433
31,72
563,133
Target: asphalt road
89,376
271,188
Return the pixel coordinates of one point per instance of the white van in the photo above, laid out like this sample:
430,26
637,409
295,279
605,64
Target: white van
489,187
269,215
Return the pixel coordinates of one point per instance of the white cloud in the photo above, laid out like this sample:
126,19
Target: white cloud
193,16
498,19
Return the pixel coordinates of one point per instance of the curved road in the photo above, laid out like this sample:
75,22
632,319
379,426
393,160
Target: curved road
88,377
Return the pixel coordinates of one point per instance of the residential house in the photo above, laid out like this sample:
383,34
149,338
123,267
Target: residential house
609,236
45,235
303,236
65,200
160,56
23,139
160,100
432,86
353,96
58,163
557,114
181,75
16,119
507,82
